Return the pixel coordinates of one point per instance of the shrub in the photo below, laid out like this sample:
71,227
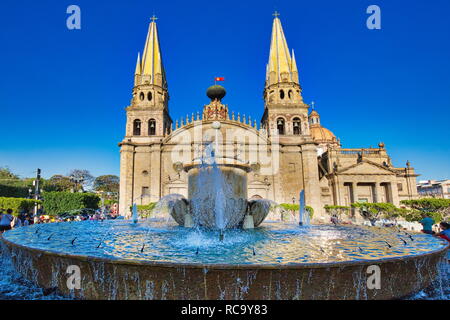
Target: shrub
145,211
63,202
13,191
17,204
296,207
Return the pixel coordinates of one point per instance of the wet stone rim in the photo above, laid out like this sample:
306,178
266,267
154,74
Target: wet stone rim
337,264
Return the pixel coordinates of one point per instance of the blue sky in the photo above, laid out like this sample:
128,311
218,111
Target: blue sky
63,92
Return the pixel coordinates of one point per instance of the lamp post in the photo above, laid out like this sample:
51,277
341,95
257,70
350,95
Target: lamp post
37,191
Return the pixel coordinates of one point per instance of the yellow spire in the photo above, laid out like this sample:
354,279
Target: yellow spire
294,63
280,62
294,68
138,65
151,58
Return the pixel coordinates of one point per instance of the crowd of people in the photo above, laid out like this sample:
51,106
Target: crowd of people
8,221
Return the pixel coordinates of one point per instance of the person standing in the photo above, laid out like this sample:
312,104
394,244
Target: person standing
427,224
6,221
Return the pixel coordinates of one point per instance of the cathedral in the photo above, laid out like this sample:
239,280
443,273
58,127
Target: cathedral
287,150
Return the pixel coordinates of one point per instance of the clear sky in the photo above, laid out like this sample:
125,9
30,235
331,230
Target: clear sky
63,92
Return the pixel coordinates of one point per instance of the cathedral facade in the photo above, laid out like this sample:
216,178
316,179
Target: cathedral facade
287,151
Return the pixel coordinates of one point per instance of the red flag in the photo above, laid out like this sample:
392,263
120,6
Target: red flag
219,79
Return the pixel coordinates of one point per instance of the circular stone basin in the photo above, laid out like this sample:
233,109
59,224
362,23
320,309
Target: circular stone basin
154,260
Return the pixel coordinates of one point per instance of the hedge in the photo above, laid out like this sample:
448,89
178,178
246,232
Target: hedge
17,204
56,203
13,191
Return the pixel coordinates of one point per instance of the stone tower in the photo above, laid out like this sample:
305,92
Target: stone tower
282,92
148,122
148,115
286,116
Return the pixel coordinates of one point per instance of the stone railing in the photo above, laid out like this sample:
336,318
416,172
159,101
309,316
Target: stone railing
362,151
247,121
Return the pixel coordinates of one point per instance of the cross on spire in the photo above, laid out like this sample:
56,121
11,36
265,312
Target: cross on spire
276,14
153,18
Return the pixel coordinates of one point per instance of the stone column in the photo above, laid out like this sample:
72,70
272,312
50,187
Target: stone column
155,165
354,193
378,192
311,179
126,179
353,199
393,193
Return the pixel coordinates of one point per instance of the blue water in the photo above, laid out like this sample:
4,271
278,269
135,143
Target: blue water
274,243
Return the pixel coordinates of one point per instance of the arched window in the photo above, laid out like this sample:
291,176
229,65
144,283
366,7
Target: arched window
297,126
142,96
280,125
149,96
137,127
151,127
290,94
281,94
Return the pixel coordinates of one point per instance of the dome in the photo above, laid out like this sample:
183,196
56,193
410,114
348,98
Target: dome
216,92
314,113
323,135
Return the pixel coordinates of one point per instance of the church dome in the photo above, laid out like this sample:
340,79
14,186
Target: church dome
216,92
322,135
314,113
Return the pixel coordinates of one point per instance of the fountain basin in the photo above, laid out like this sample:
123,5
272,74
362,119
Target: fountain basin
118,271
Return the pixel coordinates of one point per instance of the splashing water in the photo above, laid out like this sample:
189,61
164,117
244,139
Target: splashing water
213,197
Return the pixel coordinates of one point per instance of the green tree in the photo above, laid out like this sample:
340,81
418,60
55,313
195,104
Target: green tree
375,211
60,183
107,183
82,177
438,209
7,175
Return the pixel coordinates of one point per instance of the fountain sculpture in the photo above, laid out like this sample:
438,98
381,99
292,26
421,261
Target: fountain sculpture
217,194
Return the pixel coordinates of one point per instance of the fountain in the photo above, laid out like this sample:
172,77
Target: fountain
217,194
216,244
